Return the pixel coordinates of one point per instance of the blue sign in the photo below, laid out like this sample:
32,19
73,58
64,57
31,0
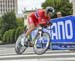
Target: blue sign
63,29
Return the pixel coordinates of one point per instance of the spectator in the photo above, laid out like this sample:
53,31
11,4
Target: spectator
59,14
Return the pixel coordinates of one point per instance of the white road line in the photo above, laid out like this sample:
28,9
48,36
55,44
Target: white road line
57,54
46,59
12,52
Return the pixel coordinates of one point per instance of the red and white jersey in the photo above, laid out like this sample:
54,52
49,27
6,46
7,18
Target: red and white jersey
38,17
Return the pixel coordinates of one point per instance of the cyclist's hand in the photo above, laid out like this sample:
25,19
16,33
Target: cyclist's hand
49,23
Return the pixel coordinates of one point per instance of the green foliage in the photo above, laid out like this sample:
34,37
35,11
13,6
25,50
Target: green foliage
6,37
1,22
19,30
9,20
1,28
10,27
20,21
11,36
59,5
1,33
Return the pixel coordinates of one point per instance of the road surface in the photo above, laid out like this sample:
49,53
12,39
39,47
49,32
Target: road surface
7,53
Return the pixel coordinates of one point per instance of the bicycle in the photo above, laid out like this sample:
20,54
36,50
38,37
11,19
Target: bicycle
41,42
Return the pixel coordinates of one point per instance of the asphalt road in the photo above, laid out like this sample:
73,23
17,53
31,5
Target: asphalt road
7,53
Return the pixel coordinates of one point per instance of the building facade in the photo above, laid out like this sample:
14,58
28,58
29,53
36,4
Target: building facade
8,5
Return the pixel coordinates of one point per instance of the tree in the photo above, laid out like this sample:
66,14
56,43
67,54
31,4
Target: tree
20,21
59,5
9,20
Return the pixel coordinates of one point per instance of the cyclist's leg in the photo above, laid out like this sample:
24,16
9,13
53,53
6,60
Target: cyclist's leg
31,25
27,36
31,28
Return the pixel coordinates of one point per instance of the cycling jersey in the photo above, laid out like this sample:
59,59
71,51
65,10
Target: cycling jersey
38,17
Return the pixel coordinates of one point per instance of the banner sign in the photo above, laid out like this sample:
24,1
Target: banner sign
63,29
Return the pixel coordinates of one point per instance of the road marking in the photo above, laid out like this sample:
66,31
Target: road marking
44,59
44,55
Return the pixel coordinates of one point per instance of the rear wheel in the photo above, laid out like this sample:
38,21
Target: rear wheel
41,44
18,47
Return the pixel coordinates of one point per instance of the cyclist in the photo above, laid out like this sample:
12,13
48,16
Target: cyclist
41,16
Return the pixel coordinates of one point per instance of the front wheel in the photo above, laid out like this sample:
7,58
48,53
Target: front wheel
41,44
